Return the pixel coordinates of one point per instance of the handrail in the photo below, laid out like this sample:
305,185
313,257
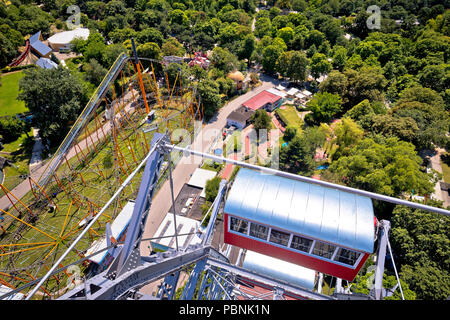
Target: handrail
97,97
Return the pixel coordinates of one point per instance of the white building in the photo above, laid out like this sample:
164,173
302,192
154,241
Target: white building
62,40
200,177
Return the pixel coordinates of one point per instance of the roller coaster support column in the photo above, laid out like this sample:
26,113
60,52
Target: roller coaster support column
141,83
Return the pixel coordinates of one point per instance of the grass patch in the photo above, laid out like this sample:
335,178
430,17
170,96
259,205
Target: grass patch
445,172
9,90
20,155
289,116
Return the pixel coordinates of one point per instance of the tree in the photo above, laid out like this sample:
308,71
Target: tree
223,59
94,72
263,27
404,128
287,34
297,157
293,64
347,135
319,65
339,58
212,188
426,107
420,241
150,35
171,47
270,56
149,50
12,128
247,47
290,133
389,167
389,282
324,107
209,93
436,77
55,98
261,120
111,53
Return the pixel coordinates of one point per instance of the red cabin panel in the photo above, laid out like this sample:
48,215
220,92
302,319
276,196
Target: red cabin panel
306,261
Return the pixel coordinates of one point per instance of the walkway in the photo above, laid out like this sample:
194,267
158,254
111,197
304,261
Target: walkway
181,174
37,166
439,194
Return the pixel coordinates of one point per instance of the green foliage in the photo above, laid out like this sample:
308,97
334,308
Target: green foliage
324,107
290,133
347,135
149,50
55,98
211,188
297,157
94,72
319,65
261,120
12,128
426,107
365,283
420,241
210,97
171,47
292,64
270,56
224,60
391,167
108,161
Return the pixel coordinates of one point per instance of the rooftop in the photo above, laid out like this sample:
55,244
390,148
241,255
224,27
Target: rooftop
46,63
261,99
306,209
66,36
241,114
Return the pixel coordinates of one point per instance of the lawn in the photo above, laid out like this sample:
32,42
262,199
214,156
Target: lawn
289,116
20,154
445,172
9,90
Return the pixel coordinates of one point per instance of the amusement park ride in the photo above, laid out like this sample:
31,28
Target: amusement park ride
33,251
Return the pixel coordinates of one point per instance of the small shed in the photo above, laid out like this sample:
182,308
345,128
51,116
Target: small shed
200,177
292,92
240,117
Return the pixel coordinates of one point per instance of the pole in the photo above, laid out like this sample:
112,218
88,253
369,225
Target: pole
141,84
364,193
173,200
81,235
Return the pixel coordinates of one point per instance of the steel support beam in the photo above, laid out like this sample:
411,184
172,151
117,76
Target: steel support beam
279,173
268,280
381,257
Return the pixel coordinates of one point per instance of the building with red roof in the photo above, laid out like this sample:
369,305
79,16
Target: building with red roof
264,100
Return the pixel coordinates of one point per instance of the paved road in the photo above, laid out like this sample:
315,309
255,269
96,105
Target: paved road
181,174
435,162
37,166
